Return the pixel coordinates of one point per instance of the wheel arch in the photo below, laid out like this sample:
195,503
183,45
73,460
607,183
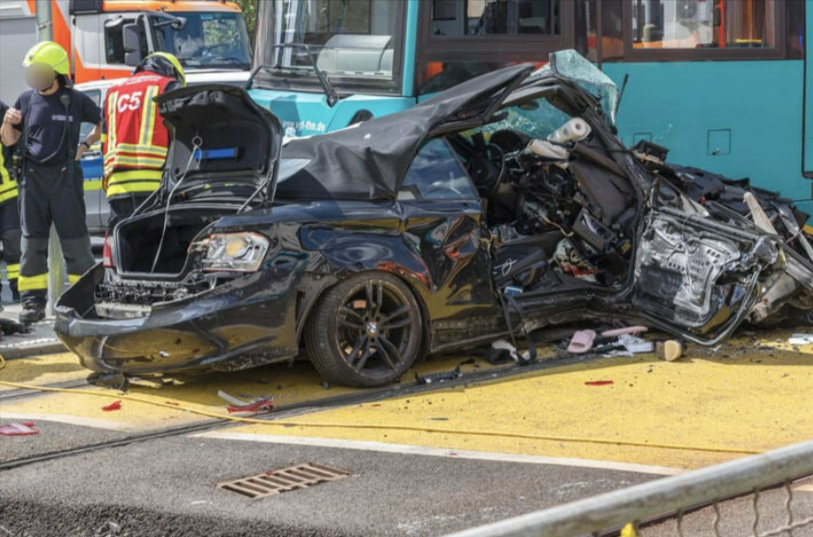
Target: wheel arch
309,307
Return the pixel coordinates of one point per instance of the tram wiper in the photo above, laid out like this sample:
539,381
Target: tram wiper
621,95
330,92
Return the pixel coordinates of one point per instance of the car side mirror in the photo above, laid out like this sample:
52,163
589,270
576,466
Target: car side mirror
132,44
179,24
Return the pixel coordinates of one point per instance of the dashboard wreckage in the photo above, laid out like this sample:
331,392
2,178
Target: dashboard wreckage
503,205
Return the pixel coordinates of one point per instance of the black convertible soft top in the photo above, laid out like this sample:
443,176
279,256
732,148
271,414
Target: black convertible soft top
368,161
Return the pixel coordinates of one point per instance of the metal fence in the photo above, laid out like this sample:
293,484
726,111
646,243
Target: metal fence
750,496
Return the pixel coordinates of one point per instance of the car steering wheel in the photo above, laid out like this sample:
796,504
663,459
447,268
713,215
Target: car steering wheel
488,171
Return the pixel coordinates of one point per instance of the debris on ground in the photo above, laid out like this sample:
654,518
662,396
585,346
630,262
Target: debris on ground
115,381
599,383
616,342
582,342
18,429
9,327
627,331
670,350
439,377
801,339
635,345
115,405
498,356
503,352
262,404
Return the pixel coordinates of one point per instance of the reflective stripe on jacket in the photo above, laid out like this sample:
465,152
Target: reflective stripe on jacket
8,186
136,142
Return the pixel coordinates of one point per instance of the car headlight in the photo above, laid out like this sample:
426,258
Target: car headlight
239,252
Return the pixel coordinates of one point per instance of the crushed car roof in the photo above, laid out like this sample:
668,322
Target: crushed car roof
369,160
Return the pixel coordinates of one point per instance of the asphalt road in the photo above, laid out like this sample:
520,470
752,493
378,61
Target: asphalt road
422,464
166,488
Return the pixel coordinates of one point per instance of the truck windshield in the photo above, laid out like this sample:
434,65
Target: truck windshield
353,42
208,40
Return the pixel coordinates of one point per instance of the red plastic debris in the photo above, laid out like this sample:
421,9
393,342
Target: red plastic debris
598,383
18,429
173,404
237,405
116,405
266,405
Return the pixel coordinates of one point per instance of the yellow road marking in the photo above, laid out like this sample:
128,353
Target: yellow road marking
42,370
288,385
729,404
655,413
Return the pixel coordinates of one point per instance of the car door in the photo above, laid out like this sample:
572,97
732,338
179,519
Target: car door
92,170
697,276
443,218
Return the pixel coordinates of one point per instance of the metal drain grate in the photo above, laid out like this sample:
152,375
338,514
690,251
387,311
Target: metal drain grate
287,479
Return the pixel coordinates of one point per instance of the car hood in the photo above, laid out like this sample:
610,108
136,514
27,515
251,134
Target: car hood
219,134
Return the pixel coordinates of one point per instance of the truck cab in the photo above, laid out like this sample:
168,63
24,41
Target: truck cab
208,37
105,39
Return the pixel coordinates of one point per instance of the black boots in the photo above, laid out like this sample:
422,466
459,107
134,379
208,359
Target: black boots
32,312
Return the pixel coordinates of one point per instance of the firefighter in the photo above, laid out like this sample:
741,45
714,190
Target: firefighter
48,118
136,140
10,232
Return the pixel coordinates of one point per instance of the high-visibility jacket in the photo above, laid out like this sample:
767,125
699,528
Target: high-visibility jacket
136,142
8,186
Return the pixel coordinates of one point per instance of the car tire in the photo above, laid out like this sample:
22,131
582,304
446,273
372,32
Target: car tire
365,332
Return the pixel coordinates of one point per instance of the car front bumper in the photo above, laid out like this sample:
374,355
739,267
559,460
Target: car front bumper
243,323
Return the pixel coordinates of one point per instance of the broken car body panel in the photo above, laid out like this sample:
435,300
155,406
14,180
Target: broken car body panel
464,199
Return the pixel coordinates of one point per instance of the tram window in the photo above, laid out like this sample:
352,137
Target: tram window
795,30
350,37
609,43
704,24
458,18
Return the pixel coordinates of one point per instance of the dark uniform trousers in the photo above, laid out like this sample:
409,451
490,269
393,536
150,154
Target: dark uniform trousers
11,235
52,195
122,207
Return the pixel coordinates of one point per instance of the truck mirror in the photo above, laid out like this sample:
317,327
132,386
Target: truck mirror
132,44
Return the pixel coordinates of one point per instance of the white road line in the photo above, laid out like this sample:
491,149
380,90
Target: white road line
441,452
70,420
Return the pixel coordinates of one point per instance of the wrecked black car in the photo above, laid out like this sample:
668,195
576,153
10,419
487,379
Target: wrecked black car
503,205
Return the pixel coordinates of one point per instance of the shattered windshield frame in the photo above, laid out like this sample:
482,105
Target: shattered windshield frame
571,65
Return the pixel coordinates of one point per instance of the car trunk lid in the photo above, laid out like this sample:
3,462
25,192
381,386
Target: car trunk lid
223,144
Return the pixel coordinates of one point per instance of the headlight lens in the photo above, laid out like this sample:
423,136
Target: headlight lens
238,252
